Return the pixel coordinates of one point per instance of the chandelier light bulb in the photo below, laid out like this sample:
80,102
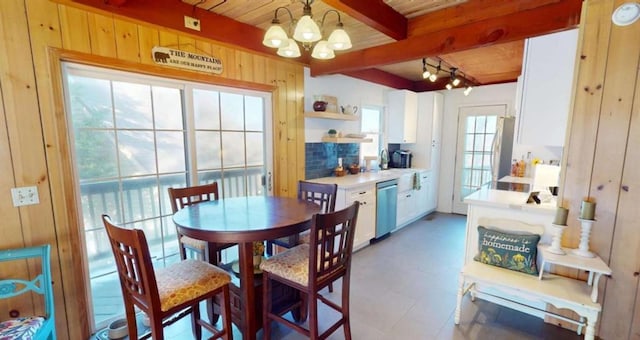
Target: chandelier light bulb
456,82
339,39
307,30
291,50
322,51
433,77
449,86
275,37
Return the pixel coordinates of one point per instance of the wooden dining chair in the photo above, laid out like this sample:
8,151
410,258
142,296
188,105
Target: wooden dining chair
311,267
169,294
182,197
321,194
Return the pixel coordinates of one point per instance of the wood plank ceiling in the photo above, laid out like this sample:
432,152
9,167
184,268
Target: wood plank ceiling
483,39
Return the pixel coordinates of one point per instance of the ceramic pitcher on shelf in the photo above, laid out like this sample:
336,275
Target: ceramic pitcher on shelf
349,110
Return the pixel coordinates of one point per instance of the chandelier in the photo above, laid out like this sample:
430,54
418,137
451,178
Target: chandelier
307,32
454,81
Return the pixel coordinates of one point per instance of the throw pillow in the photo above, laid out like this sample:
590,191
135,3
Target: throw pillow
508,250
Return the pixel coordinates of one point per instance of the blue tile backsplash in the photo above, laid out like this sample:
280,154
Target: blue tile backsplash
322,158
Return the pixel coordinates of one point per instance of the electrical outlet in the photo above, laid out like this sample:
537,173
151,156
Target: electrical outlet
25,196
191,23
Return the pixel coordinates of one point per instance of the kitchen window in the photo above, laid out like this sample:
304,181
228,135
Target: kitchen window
370,124
135,136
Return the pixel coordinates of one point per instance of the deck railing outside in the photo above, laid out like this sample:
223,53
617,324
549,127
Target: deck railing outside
146,206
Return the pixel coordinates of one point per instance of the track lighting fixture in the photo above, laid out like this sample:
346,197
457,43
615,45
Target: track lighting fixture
453,72
425,73
434,76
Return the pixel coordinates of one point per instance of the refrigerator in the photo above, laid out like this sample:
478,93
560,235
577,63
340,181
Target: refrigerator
502,149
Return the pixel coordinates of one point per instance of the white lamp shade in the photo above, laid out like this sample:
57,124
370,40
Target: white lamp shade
290,51
307,30
339,40
275,37
322,51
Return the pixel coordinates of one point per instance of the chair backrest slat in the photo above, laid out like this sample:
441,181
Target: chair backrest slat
321,194
332,236
182,197
133,261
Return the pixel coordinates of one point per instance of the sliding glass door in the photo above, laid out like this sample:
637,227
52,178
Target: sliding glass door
134,137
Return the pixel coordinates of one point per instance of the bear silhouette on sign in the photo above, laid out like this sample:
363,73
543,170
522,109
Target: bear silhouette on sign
161,57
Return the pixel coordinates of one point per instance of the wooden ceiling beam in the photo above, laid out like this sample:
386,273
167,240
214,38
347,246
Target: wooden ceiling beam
516,26
115,2
382,78
375,14
170,14
470,12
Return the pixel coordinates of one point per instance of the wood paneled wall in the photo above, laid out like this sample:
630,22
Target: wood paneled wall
34,149
602,159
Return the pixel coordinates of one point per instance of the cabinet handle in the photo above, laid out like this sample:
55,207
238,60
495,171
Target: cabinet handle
362,193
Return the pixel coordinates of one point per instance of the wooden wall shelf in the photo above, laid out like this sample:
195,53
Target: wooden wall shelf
331,115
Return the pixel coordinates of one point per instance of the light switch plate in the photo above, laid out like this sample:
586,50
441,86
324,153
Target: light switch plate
25,196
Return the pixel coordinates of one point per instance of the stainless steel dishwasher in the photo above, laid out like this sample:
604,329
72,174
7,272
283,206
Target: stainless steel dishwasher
387,198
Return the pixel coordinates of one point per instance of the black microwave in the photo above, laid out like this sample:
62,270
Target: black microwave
401,159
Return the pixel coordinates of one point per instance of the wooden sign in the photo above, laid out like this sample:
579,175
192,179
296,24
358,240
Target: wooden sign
186,60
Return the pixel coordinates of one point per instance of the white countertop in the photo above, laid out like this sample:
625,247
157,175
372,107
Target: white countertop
518,180
365,178
510,200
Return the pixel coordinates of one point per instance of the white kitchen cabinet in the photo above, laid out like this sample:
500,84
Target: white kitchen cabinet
407,204
402,116
406,207
366,225
547,87
426,198
426,150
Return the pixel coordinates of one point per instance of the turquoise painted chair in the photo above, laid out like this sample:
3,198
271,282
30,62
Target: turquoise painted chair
29,327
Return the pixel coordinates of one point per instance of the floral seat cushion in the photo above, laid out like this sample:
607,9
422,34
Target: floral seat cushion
193,243
20,328
292,264
188,280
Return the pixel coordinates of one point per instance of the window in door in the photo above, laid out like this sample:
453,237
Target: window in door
477,128
135,136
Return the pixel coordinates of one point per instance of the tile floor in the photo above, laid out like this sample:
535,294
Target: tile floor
404,287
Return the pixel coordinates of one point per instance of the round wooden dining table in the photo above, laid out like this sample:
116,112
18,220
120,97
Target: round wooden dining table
243,220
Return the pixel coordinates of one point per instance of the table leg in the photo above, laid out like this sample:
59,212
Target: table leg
247,290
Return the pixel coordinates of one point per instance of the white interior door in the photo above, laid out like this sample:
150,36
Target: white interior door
477,126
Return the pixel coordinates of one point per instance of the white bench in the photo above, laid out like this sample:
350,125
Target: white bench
523,292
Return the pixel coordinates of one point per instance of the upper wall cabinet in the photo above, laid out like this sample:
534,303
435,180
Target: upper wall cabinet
426,149
546,88
403,116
